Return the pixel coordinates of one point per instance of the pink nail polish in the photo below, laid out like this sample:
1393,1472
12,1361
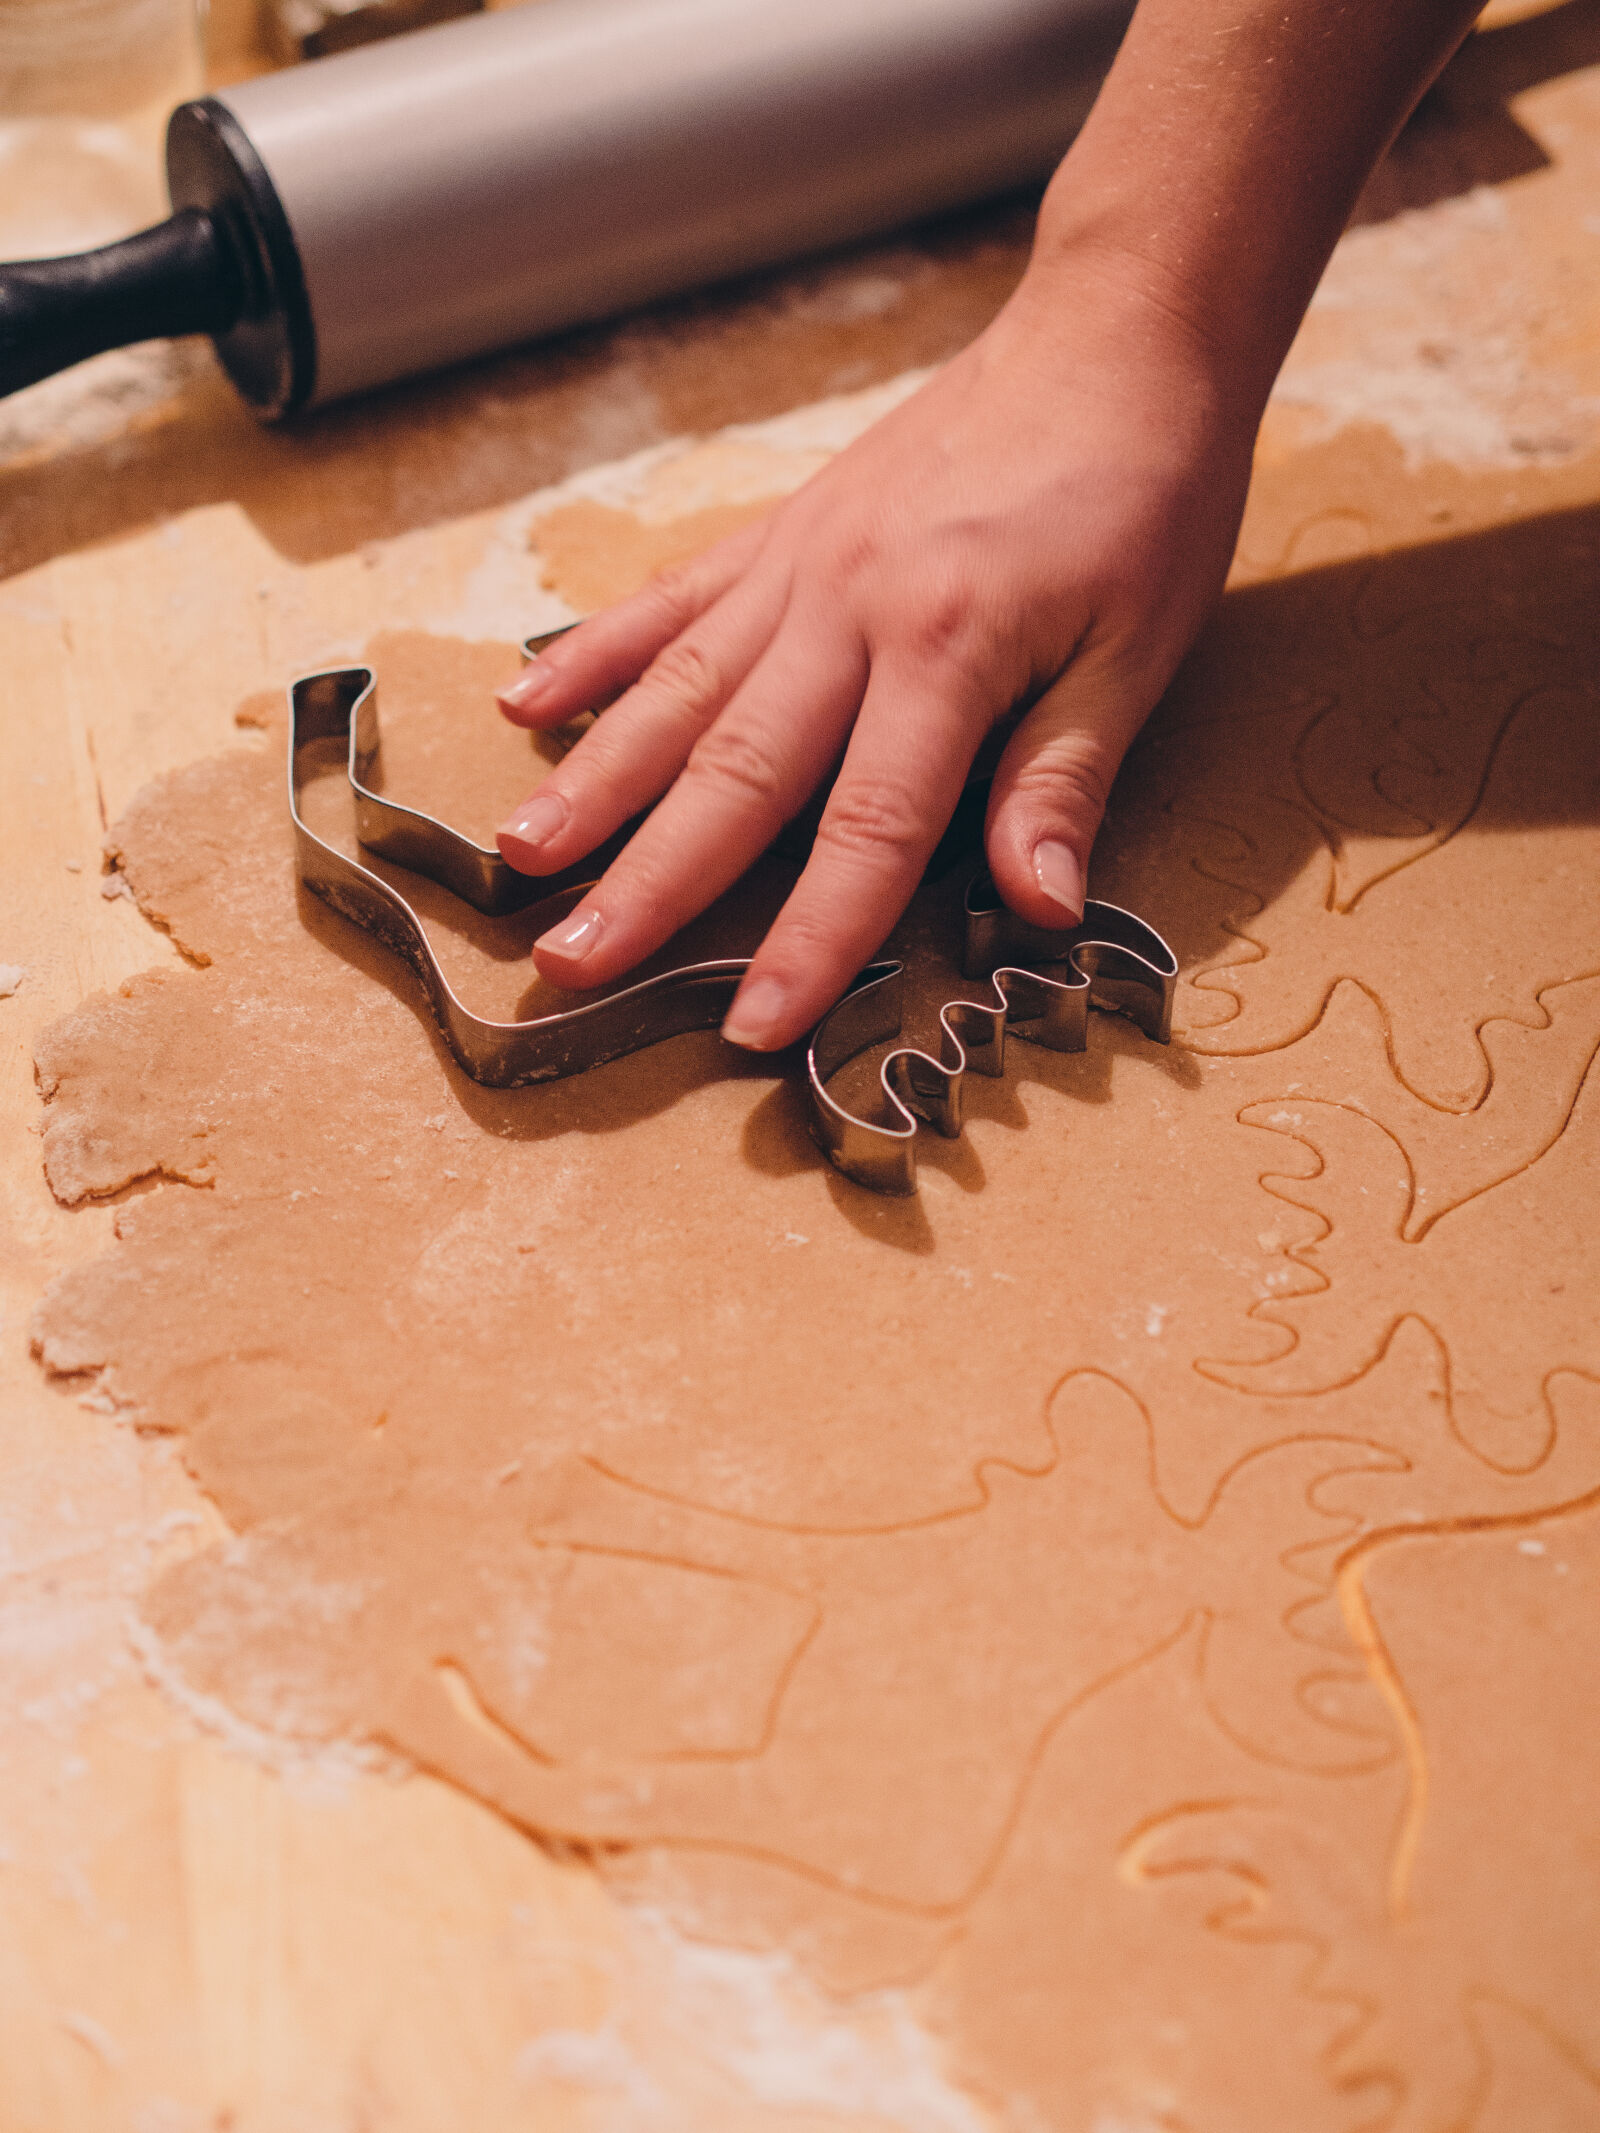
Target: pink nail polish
534,823
1056,870
528,692
576,934
530,685
755,1014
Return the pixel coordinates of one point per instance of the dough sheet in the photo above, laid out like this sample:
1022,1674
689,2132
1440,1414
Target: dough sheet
1137,1604
1112,1594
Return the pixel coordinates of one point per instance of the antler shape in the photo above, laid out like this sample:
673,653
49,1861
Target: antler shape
1111,960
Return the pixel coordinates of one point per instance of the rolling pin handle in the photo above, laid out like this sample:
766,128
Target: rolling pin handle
182,276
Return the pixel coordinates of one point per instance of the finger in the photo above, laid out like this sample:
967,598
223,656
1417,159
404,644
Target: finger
753,769
590,663
902,776
1052,784
629,758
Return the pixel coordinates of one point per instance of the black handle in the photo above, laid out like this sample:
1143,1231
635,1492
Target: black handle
182,276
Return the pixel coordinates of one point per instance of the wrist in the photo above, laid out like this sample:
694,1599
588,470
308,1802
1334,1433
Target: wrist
1218,166
1100,320
1203,278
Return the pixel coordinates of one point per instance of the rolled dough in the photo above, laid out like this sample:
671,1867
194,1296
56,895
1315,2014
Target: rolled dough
940,1591
1172,1660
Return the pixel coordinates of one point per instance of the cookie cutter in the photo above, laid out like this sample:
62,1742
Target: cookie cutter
1111,960
341,705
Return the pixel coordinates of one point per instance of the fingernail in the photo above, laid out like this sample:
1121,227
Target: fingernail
534,823
529,686
576,934
754,1015
1056,870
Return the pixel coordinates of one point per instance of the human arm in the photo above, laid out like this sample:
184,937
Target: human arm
1044,524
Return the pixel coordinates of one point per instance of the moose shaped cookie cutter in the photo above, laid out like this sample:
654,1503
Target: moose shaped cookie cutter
1041,984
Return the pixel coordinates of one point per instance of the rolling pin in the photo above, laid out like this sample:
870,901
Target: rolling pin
392,210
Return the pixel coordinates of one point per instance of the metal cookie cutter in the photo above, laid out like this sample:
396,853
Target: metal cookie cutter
342,705
1111,960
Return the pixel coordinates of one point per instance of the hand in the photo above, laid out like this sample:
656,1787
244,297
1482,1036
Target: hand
1041,527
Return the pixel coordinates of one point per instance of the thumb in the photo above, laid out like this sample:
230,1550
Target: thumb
1050,792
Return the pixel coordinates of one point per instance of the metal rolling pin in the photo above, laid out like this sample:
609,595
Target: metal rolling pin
394,209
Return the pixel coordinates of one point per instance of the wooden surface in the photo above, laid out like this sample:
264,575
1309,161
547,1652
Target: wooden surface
197,1930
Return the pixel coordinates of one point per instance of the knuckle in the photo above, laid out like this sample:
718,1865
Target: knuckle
869,820
941,627
643,885
674,591
857,551
729,755
685,673
806,944
597,766
1066,783
949,630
